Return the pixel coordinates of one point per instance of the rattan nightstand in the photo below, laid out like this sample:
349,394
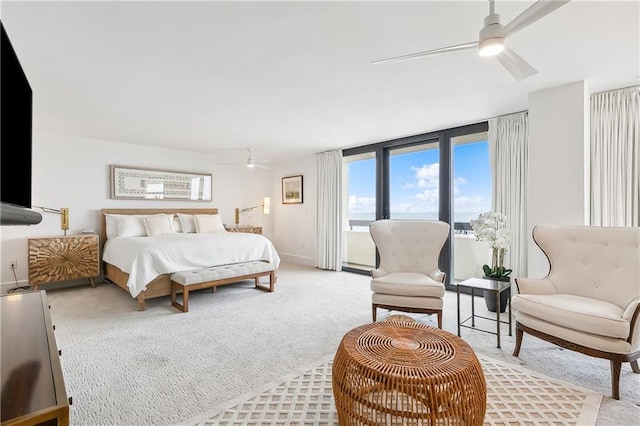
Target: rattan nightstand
63,258
246,229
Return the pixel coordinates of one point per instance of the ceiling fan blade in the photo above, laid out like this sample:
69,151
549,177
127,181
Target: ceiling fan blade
518,67
470,45
538,10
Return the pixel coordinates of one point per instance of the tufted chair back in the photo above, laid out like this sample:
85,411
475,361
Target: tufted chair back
409,245
601,263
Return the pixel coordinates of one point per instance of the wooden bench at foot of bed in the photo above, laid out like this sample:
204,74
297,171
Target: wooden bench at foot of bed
215,276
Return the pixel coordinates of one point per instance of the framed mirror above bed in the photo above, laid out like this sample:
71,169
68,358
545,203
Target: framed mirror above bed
135,183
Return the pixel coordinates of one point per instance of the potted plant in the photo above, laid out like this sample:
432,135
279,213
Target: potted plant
492,228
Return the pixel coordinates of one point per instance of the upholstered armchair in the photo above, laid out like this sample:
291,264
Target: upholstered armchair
590,300
408,278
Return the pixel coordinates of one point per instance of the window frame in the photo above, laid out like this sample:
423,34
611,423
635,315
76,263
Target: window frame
445,145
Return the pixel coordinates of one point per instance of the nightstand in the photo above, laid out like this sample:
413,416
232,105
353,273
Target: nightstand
246,229
69,257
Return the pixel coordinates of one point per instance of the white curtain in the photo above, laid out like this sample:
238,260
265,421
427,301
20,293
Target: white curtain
508,141
329,223
615,176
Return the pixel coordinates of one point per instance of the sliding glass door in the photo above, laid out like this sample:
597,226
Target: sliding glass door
471,196
359,201
436,176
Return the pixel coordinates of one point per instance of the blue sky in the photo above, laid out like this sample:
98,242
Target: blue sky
414,183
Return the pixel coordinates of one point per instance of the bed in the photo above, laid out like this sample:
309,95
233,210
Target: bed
140,260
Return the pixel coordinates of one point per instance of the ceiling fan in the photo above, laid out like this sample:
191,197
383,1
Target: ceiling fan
251,162
493,36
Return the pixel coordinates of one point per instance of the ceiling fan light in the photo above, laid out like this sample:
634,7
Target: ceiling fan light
491,46
250,162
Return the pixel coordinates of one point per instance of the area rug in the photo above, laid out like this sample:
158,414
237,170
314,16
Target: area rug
515,396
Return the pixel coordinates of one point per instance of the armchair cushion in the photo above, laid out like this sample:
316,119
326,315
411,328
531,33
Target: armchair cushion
408,284
588,340
427,303
576,312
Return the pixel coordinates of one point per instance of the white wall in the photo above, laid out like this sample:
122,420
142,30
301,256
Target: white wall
74,172
558,181
294,225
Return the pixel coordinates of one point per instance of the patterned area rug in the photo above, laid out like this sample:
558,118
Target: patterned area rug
515,396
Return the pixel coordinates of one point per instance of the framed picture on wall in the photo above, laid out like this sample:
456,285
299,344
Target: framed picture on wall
292,190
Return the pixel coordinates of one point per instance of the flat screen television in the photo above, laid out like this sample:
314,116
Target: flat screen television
16,100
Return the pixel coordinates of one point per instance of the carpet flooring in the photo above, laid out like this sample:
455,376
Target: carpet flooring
515,395
163,367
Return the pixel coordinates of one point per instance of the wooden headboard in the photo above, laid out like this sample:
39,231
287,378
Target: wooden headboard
173,211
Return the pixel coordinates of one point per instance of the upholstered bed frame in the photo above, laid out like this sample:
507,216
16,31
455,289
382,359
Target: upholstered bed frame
161,285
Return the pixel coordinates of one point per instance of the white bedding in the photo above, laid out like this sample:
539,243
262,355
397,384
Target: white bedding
144,258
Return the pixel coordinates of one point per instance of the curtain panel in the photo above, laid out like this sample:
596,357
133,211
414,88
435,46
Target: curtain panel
329,221
508,156
615,175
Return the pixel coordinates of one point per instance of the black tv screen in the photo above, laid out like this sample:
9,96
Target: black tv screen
15,138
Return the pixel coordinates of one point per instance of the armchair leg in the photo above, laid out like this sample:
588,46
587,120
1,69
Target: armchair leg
519,334
440,319
374,311
634,366
615,378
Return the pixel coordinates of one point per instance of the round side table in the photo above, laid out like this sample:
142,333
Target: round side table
407,373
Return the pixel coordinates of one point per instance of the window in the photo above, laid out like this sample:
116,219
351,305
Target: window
358,250
436,176
471,196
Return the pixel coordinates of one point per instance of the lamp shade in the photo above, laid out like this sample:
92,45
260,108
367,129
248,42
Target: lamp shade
266,205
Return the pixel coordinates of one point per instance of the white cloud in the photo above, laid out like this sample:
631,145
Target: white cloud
470,204
457,182
362,204
408,185
427,176
429,195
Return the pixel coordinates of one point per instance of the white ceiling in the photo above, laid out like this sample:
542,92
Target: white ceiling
293,78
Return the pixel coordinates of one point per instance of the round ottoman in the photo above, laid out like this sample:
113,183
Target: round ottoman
407,373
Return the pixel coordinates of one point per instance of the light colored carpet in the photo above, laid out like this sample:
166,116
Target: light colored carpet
515,395
161,367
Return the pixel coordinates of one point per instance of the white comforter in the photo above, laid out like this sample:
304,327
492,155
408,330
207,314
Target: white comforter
144,258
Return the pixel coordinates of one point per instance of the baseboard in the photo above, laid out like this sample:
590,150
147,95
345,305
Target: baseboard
82,282
297,259
5,287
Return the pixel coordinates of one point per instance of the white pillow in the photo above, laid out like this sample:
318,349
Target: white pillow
158,224
175,224
187,223
111,223
131,226
208,223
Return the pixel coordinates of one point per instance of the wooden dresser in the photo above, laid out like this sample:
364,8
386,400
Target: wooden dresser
33,390
63,258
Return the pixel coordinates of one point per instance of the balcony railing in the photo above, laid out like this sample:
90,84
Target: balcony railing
458,227
468,254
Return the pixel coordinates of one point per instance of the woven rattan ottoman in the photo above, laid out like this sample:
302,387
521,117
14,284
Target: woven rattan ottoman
407,373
